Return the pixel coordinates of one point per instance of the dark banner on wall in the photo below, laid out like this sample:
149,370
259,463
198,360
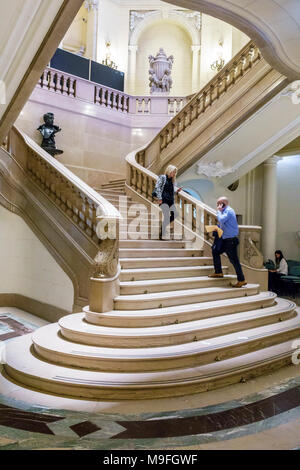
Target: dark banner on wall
71,63
107,76
87,69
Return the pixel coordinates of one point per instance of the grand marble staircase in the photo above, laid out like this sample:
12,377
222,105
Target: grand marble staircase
173,330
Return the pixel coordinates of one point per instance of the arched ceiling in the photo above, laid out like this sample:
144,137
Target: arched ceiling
273,24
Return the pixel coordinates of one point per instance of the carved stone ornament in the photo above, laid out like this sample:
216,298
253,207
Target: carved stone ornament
160,80
250,253
213,170
107,259
193,16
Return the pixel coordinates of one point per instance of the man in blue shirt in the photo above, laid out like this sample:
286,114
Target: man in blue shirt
229,242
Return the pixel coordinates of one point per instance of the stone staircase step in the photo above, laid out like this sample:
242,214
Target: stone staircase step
128,263
51,346
110,192
166,285
181,297
159,252
152,244
165,273
24,367
180,313
74,328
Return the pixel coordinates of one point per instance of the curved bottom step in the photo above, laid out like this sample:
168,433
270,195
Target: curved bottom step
25,368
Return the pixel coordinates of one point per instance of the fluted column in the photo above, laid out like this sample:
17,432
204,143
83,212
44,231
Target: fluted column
196,60
92,29
132,68
269,207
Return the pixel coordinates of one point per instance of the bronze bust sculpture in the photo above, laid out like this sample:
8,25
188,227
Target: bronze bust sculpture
48,131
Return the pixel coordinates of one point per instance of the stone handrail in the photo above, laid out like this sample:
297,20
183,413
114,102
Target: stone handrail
78,201
194,215
109,98
225,79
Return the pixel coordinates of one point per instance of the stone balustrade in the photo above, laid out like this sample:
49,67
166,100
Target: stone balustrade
83,206
109,98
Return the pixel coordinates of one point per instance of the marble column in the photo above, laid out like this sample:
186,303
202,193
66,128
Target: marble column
132,69
196,61
269,207
92,29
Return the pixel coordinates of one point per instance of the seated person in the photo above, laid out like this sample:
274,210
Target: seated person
276,274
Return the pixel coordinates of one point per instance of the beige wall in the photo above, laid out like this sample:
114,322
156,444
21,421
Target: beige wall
113,26
176,42
214,30
76,35
27,267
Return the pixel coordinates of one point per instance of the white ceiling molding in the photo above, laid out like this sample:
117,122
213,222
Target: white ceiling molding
273,24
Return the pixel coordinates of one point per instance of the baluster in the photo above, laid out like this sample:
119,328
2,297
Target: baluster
147,106
75,204
41,82
88,217
144,185
94,222
106,98
52,184
134,178
126,104
49,78
139,105
63,194
81,211
168,136
139,182
102,97
74,88
114,98
179,105
149,188
69,199
162,139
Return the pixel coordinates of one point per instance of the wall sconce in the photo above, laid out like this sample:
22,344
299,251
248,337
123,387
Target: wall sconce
108,62
220,62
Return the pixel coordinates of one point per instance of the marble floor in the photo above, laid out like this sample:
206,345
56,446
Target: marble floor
263,413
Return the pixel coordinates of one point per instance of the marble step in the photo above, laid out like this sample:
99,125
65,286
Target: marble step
159,253
166,273
25,368
173,284
51,346
110,192
135,263
119,180
181,313
181,297
150,244
74,328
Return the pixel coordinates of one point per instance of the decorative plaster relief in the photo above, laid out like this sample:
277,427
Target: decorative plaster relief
213,170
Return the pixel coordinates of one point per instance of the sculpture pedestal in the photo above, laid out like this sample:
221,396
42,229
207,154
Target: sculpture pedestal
159,105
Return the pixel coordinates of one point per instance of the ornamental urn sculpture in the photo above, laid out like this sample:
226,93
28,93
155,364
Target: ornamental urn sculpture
160,80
